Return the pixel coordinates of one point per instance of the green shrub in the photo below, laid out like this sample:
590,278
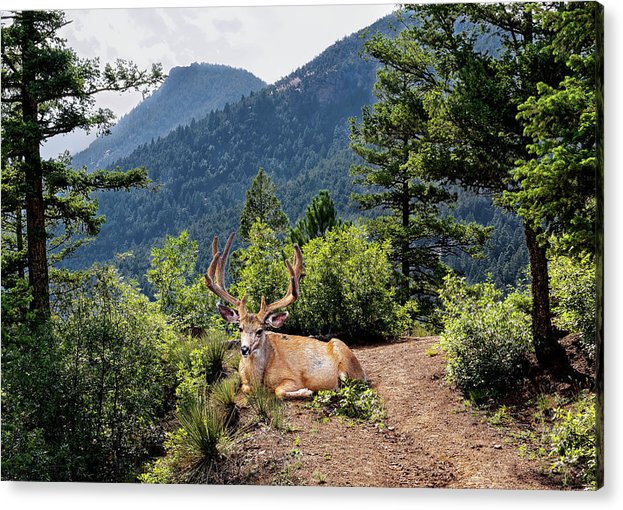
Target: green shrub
573,290
485,338
200,362
83,394
180,292
573,443
347,291
115,382
353,399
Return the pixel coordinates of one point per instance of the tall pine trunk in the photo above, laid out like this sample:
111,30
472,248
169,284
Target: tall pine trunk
36,236
546,348
35,206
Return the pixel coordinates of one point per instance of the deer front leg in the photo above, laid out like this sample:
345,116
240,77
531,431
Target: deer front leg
288,389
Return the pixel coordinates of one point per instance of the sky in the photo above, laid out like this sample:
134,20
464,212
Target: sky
269,41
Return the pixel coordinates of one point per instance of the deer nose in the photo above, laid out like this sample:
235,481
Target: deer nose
244,350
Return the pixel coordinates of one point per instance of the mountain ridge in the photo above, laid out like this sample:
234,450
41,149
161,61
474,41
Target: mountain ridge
188,92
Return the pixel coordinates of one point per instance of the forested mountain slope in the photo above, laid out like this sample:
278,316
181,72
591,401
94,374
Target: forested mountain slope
297,129
188,92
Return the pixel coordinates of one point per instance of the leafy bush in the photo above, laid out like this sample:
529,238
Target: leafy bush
573,290
353,399
485,338
115,383
347,290
573,443
180,293
85,392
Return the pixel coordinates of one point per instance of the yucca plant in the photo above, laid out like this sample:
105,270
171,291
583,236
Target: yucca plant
205,434
267,407
214,356
223,394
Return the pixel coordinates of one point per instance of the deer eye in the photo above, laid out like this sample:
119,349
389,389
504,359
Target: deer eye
259,332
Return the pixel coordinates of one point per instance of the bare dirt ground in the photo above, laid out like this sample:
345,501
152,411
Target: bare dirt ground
431,438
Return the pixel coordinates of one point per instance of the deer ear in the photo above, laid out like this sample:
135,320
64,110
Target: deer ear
276,320
228,314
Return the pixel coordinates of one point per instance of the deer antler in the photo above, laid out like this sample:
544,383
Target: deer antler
296,275
215,277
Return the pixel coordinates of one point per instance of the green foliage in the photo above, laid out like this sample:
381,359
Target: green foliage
319,217
201,362
207,415
558,181
261,268
84,394
573,297
354,399
266,406
485,339
392,139
203,427
573,443
347,290
196,452
262,205
179,292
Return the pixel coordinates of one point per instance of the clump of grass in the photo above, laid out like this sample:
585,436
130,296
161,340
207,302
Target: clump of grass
267,407
354,399
204,432
214,357
223,395
204,428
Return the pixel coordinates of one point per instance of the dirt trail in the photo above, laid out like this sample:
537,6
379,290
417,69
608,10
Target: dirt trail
432,439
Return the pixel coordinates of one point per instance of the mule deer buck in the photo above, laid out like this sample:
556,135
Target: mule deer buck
292,366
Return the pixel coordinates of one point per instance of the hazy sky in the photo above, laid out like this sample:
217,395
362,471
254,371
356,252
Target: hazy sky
270,42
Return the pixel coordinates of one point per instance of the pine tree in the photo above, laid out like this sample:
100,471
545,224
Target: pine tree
558,182
319,217
47,90
393,132
261,204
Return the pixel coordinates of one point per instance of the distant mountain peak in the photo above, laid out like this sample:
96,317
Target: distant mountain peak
189,92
